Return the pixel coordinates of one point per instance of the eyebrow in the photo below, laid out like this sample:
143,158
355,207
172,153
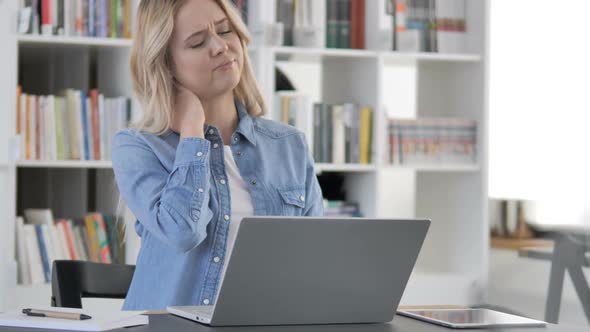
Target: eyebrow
203,31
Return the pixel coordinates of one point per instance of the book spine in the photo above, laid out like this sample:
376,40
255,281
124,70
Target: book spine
104,251
114,16
69,238
354,23
34,255
24,273
43,252
317,135
127,19
332,24
46,25
344,24
95,124
92,238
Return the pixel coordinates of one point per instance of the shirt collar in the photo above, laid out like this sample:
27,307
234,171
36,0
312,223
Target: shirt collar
246,125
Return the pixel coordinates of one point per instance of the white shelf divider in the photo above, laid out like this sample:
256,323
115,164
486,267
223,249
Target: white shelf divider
73,41
65,163
348,168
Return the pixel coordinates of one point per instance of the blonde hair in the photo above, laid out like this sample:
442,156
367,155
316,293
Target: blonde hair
151,69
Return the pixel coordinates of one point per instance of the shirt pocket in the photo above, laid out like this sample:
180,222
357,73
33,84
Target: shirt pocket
292,200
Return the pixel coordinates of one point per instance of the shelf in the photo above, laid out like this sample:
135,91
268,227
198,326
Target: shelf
392,56
352,168
518,244
34,40
429,56
435,168
323,52
280,50
65,164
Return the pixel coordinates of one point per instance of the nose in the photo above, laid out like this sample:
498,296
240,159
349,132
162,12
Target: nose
217,45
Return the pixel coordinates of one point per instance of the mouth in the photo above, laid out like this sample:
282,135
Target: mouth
226,65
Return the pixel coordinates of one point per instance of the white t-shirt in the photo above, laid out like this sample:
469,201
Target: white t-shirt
241,204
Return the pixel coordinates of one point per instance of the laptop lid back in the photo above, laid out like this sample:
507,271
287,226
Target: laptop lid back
293,270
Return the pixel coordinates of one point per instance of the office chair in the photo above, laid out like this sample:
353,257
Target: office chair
73,280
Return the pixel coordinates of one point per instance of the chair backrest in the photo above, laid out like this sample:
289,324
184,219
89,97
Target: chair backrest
73,280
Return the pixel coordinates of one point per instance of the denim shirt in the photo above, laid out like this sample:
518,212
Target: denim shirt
177,189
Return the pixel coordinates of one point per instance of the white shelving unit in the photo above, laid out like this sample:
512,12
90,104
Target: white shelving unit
452,267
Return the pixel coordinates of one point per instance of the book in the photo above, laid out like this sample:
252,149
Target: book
100,321
24,274
33,255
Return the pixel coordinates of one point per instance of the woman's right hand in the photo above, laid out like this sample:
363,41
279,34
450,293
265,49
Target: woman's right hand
188,118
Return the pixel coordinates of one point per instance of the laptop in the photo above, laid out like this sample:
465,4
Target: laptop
305,270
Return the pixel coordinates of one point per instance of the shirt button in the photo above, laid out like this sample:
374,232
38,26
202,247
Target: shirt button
226,217
201,190
302,198
199,154
253,182
216,259
211,131
235,138
215,146
206,301
222,181
239,153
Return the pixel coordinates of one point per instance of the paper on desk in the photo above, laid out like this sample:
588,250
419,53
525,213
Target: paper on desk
100,321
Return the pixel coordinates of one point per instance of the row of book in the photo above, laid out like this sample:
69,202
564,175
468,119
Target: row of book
337,134
428,25
40,240
82,18
344,23
415,25
341,209
432,141
74,126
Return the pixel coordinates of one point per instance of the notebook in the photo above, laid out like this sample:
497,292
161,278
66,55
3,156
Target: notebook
100,321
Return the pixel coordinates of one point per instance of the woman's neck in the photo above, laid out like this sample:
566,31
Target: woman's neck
222,113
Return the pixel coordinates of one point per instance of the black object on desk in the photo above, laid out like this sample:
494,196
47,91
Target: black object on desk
72,280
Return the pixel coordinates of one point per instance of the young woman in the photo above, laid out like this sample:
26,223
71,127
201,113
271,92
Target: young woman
202,157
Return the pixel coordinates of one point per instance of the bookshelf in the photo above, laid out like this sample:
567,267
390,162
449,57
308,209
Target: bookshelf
452,268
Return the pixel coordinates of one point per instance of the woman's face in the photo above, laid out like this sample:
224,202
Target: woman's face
206,51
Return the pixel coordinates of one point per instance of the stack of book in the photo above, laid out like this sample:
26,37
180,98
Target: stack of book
344,22
429,25
338,134
40,240
342,133
73,126
82,18
341,209
432,141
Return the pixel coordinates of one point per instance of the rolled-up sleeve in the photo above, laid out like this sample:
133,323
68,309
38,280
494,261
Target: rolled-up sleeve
172,206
